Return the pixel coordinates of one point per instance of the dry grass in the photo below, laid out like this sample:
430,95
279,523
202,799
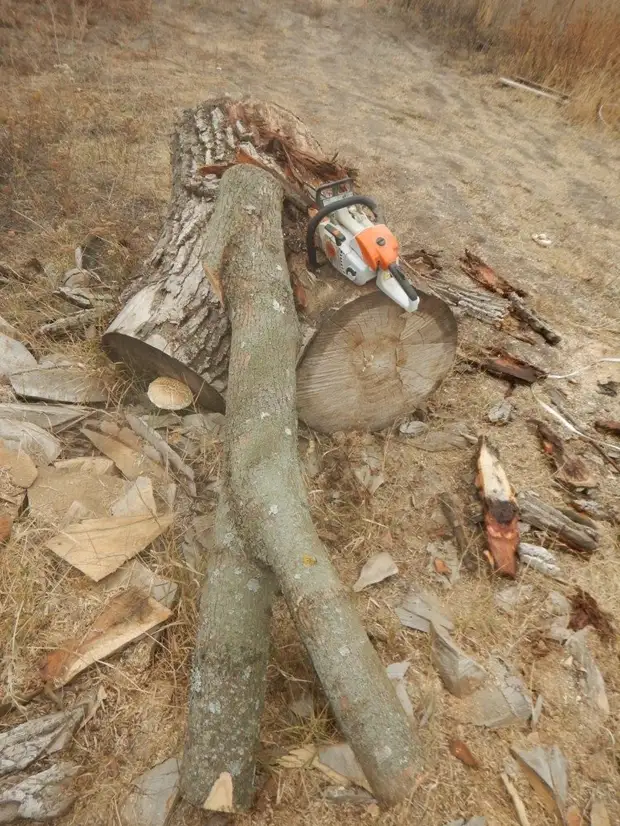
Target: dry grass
573,46
84,150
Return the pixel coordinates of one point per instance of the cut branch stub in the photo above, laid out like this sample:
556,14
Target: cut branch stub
371,363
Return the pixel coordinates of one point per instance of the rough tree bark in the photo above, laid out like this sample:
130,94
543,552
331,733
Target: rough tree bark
268,506
364,364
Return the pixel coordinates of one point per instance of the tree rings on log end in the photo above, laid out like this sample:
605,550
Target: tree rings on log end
371,363
150,362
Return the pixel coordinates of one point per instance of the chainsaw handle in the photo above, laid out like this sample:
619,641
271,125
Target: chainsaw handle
352,200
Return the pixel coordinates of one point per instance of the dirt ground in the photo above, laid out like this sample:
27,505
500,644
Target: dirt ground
456,162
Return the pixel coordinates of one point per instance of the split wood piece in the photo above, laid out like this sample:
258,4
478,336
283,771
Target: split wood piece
459,672
483,274
57,488
490,309
130,462
14,357
47,416
137,500
175,323
163,448
136,575
539,325
567,527
571,469
504,365
18,472
60,384
97,547
545,769
41,446
124,619
267,497
501,514
516,800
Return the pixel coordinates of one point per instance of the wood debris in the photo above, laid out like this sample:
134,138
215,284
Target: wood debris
501,514
608,388
594,684
14,357
41,796
396,672
483,274
460,674
97,547
456,436
161,445
23,744
153,795
130,462
516,799
501,701
77,321
420,609
133,574
19,468
524,85
137,500
47,416
125,619
566,527
462,752
545,770
347,796
444,563
414,427
585,611
538,324
337,762
380,566
505,365
41,446
60,384
571,469
539,559
501,413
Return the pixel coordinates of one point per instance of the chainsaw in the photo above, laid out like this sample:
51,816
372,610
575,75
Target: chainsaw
356,246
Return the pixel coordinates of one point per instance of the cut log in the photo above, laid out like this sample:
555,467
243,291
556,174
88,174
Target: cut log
269,510
567,527
501,515
365,362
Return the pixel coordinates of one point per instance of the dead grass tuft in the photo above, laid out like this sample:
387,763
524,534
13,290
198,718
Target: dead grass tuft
573,46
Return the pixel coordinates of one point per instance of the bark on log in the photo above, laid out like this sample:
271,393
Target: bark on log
227,686
381,366
268,503
567,528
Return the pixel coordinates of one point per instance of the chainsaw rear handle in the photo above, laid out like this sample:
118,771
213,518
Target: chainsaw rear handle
352,200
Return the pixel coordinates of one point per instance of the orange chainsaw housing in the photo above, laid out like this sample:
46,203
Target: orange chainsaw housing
378,246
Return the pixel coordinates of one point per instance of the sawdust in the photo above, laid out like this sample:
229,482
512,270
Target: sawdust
456,162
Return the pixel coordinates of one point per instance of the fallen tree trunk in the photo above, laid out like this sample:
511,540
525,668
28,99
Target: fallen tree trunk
268,505
363,364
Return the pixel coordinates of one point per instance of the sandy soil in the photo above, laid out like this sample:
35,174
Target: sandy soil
457,162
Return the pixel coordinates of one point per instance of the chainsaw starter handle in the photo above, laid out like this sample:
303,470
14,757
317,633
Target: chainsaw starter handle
352,200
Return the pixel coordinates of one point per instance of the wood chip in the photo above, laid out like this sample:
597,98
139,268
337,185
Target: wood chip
153,796
501,515
339,758
97,547
459,672
599,815
41,446
14,357
130,462
502,701
60,384
19,467
138,499
419,609
545,770
461,751
594,684
41,796
125,619
133,574
220,797
379,567
47,416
